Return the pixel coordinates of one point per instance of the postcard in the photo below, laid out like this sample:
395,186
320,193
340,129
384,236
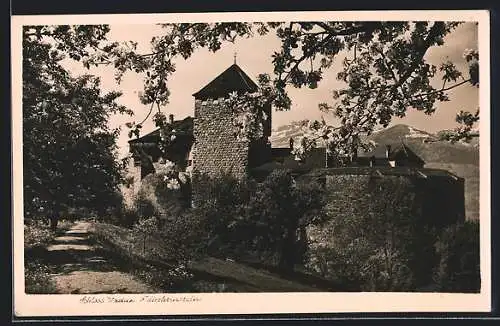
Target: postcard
251,163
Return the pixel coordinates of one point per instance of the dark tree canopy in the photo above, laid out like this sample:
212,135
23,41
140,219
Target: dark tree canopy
68,148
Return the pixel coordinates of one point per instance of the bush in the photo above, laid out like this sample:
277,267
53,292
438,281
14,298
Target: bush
220,207
127,217
157,198
37,278
36,233
184,237
265,221
279,212
459,265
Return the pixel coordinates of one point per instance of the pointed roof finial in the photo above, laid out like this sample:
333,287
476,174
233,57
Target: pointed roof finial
235,54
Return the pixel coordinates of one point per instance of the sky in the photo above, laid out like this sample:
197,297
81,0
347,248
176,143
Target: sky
253,55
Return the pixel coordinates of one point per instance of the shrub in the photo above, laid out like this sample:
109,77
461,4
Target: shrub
157,198
127,217
36,233
184,237
278,214
220,206
265,221
37,278
458,248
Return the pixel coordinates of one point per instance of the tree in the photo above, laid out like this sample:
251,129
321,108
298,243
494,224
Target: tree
384,70
68,149
459,264
279,213
379,246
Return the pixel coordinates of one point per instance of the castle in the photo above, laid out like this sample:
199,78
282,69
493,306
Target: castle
208,144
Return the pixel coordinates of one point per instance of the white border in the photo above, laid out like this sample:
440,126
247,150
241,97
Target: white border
261,303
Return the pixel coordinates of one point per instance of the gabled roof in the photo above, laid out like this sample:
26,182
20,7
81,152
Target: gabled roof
231,80
378,152
184,127
404,152
397,152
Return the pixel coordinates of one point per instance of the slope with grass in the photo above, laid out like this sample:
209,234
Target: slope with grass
147,257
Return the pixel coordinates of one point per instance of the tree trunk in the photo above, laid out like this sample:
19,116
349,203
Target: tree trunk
53,222
288,252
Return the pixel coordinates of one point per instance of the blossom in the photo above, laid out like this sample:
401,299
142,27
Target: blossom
183,177
470,54
173,184
169,164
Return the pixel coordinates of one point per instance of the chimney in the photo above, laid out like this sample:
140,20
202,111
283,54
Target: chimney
387,151
171,118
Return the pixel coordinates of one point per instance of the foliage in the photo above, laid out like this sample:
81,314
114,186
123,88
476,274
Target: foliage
384,69
458,248
220,206
126,217
69,151
37,278
268,219
185,236
383,250
164,194
278,214
464,132
37,232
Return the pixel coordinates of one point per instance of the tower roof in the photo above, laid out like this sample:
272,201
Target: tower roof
231,80
404,152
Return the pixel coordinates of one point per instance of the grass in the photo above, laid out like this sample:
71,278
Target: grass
144,257
37,235
149,260
37,278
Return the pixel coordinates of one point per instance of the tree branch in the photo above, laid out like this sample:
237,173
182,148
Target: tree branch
420,54
442,89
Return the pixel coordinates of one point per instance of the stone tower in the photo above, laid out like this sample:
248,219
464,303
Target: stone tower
216,147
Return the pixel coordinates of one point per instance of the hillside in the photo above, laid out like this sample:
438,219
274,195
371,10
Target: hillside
459,158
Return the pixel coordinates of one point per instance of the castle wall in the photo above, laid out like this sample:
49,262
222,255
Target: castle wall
436,201
425,203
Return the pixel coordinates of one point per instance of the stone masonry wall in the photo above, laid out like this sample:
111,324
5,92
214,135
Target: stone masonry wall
216,147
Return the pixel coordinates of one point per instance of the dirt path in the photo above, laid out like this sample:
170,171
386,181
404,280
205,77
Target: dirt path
80,267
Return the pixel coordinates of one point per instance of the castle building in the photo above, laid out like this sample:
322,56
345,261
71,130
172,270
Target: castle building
209,144
216,147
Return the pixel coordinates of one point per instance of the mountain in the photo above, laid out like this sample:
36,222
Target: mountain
280,137
459,158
